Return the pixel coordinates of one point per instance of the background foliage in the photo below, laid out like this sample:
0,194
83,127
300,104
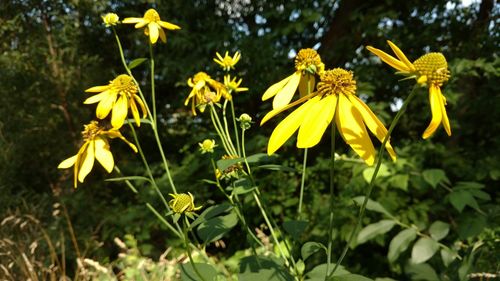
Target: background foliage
51,51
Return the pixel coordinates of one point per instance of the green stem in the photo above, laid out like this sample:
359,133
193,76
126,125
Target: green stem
235,128
221,136
188,250
374,176
153,99
226,127
220,130
332,187
302,183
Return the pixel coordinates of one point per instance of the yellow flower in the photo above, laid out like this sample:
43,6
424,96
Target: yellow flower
233,85
117,97
110,19
429,70
183,203
95,146
153,25
205,91
207,146
227,62
307,64
335,98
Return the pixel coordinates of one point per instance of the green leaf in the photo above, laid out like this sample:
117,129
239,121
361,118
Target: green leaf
470,226
213,229
295,228
434,177
188,273
350,277
480,194
423,250
400,181
135,63
130,178
223,164
439,230
421,272
318,273
242,186
461,198
260,157
382,172
274,167
400,243
262,268
447,256
211,212
372,230
310,248
372,206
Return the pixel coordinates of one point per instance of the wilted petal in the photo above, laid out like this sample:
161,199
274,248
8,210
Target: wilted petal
437,116
446,122
316,121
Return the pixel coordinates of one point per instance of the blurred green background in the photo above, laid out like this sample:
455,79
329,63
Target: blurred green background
51,51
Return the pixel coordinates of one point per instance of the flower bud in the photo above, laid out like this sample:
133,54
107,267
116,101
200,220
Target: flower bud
110,19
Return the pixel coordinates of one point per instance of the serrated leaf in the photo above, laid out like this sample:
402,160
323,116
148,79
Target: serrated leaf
438,230
310,248
135,63
382,172
400,243
372,230
423,250
295,228
434,177
372,206
188,273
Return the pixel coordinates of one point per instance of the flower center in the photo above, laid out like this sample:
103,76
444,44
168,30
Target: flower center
152,15
91,130
434,67
337,81
182,203
308,59
200,76
124,83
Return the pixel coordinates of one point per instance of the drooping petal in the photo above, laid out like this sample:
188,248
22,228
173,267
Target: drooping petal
316,121
306,84
114,133
97,89
163,37
87,162
446,122
275,88
68,162
119,113
141,104
96,98
390,60
437,116
105,105
401,56
353,130
284,96
153,32
135,112
141,24
288,126
103,155
373,123
132,20
274,112
78,163
167,25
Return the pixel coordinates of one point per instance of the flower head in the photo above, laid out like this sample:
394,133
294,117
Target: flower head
207,146
205,91
335,98
307,64
233,85
153,25
183,203
429,70
227,62
95,146
245,121
117,97
110,19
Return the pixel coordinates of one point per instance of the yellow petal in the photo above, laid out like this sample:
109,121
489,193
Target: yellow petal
285,95
103,155
275,88
373,123
141,104
105,105
114,133
167,25
274,112
306,84
87,162
437,116
353,130
97,89
141,24
96,98
135,112
78,162
163,37
401,56
446,122
153,32
288,126
390,60
119,112
68,162
316,121
132,20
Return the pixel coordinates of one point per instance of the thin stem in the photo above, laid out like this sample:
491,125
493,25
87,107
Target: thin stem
374,176
221,136
220,130
333,130
153,99
235,128
188,250
226,127
302,183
